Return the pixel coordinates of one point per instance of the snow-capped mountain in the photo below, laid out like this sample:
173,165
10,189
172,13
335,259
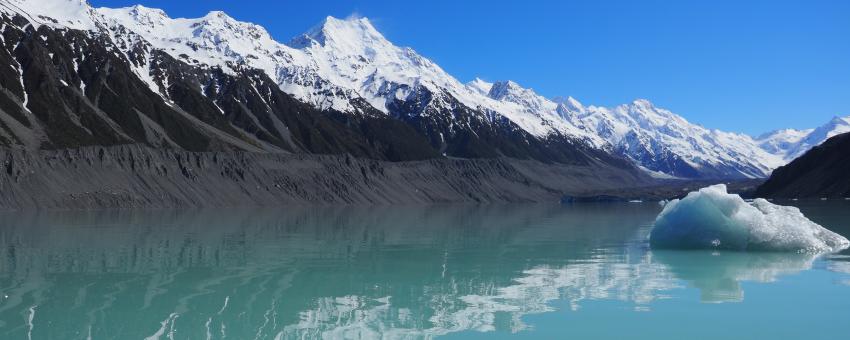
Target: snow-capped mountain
818,173
336,61
656,139
662,141
791,143
778,142
243,89
330,65
665,143
227,84
79,77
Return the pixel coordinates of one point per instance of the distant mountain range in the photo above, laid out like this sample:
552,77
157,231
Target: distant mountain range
83,76
821,172
791,143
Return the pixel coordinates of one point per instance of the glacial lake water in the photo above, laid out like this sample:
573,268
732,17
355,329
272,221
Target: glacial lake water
515,271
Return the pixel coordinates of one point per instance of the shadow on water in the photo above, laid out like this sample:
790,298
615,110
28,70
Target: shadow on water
340,271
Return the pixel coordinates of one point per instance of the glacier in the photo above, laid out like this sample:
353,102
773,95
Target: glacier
711,218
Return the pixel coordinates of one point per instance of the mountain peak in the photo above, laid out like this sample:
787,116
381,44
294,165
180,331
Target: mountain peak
570,103
65,13
345,32
838,120
142,10
146,15
501,89
218,16
643,103
480,86
351,20
837,125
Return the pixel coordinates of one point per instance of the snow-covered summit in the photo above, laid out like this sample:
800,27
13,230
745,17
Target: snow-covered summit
215,38
792,143
353,54
780,141
509,90
76,14
144,15
350,32
480,86
569,103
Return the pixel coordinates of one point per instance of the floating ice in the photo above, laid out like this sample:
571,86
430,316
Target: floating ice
713,219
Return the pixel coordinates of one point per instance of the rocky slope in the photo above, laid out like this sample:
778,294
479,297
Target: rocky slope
83,76
94,115
75,89
823,171
110,77
134,176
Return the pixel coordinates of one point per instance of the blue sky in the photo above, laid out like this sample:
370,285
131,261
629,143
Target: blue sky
745,66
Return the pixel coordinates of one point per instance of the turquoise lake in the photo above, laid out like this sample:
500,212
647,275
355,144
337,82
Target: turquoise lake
581,271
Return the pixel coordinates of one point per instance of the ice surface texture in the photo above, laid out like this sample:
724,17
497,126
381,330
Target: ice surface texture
711,218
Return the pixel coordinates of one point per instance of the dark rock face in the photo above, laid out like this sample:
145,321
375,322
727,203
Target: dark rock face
79,93
823,171
134,176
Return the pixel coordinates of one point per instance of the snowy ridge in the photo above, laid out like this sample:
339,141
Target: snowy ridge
75,14
791,143
353,54
525,103
329,66
654,138
218,40
341,62
780,141
650,135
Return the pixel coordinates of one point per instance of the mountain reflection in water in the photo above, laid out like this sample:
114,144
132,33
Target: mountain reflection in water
343,272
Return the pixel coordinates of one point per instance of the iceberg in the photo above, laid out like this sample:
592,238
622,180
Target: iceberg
711,218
